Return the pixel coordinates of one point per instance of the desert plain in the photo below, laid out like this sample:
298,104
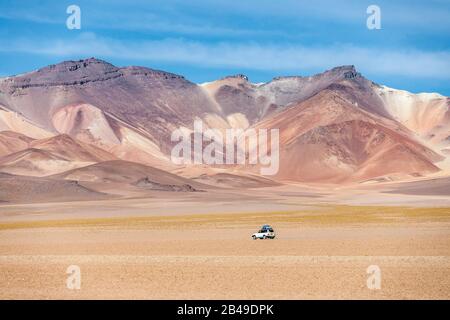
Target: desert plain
198,245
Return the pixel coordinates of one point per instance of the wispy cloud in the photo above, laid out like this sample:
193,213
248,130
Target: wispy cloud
142,22
154,18
31,16
248,55
416,16
210,18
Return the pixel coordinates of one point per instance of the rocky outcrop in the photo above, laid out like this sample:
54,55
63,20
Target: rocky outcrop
152,185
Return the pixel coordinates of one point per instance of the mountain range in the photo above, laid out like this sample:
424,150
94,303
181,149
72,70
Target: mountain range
89,122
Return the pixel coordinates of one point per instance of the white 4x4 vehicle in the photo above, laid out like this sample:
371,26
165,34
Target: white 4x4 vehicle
266,232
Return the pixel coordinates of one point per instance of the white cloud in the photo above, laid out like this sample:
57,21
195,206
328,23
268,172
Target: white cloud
248,55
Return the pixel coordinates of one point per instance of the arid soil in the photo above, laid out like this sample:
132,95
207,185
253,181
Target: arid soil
173,248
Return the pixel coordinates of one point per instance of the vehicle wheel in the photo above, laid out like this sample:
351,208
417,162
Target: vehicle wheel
264,237
254,237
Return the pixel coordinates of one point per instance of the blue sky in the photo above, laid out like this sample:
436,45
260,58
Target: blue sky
209,39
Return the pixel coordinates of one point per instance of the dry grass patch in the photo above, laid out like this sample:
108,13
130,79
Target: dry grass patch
320,215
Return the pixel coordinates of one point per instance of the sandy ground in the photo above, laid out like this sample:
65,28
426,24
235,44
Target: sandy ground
184,250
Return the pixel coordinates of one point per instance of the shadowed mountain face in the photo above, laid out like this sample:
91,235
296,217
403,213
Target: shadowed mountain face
158,101
138,97
329,138
235,95
335,127
11,142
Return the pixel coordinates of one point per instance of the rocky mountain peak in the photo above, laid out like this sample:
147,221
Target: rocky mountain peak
82,72
343,72
237,76
83,66
65,73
